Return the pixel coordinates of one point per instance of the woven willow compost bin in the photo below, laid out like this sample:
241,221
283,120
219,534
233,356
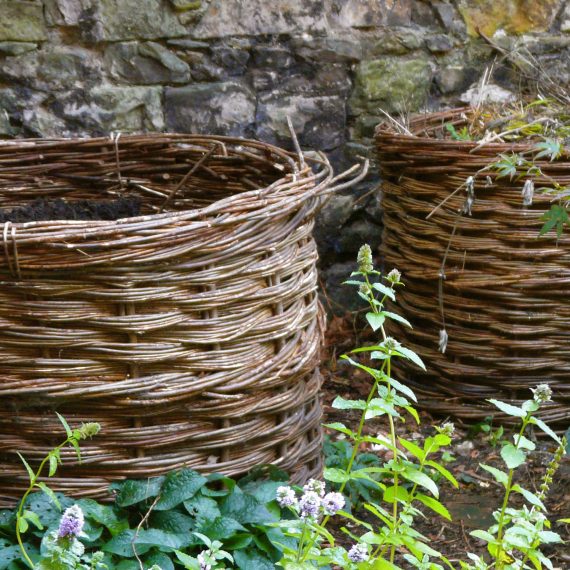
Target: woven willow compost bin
487,279
191,332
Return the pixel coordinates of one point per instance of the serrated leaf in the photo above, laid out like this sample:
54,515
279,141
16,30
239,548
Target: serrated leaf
483,535
421,479
33,518
508,409
434,505
392,492
375,320
414,449
512,456
538,422
398,318
52,465
400,387
500,476
340,403
64,424
410,355
523,443
340,427
547,536
447,474
530,497
30,471
387,291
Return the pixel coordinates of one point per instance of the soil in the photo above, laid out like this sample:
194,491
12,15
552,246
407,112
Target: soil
43,209
472,505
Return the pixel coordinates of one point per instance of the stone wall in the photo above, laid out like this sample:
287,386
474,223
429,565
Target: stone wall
239,67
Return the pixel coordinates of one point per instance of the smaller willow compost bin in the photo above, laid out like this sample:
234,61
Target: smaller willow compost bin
191,331
487,279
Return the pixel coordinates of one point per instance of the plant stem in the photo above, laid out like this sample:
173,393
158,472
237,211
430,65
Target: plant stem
19,513
508,490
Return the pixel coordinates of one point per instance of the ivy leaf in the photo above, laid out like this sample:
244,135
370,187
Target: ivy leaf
512,456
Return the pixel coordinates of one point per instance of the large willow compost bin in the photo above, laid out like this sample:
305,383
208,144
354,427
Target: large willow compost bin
500,293
191,331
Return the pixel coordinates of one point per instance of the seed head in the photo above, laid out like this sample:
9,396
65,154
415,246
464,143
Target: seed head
542,393
89,430
448,428
394,276
364,259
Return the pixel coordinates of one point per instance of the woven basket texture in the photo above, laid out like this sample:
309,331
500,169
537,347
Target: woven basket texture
499,290
191,332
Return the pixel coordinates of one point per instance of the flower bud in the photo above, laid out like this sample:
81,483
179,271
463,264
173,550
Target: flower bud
364,259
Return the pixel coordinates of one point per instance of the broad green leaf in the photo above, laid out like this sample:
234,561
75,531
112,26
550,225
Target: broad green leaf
160,559
245,509
398,318
421,479
22,525
104,515
122,544
202,508
132,492
512,456
434,505
413,412
382,564
189,562
250,560
410,355
508,408
221,528
500,476
179,486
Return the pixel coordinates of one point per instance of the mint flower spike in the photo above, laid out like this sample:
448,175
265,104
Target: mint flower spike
394,277
448,428
285,497
358,553
71,523
89,430
542,393
309,505
315,485
364,259
332,503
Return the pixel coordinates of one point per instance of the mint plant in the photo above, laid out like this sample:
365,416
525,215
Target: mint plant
514,541
53,459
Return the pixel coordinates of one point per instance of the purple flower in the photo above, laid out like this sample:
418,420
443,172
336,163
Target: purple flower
358,553
309,505
332,503
286,497
316,486
71,523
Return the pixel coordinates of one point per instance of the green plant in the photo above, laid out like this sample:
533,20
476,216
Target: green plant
153,521
53,459
493,436
519,532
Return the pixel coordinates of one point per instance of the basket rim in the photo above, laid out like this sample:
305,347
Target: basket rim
422,124
304,177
